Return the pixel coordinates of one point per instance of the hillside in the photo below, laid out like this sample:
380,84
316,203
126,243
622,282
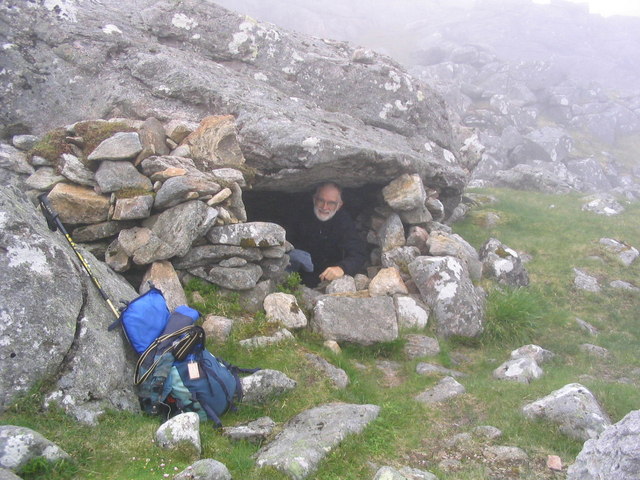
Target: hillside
436,438
488,158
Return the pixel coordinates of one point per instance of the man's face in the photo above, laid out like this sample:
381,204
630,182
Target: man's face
326,203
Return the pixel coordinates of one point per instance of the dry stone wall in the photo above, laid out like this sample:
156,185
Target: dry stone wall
149,198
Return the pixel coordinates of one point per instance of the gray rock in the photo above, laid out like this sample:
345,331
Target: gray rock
411,314
152,137
442,244
283,308
24,142
554,140
532,178
405,473
240,278
252,300
183,428
205,469
177,129
233,262
377,111
14,160
114,176
622,285
337,375
79,205
522,369
180,189
445,286
19,445
445,389
74,339
162,275
421,346
417,238
255,432
359,320
391,233
405,193
503,263
217,327
133,208
265,385
590,172
387,282
177,228
282,335
418,216
274,269
344,284
252,234
307,438
400,257
6,474
121,146
207,255
587,327
44,178
625,252
584,281
594,350
505,454
573,408
539,354
487,431
99,231
602,204
613,454
74,170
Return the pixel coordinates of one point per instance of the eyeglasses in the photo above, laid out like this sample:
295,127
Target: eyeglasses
322,203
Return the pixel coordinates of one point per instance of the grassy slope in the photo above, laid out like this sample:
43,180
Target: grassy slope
552,229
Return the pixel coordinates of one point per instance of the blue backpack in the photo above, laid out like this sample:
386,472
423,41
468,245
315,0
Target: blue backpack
175,372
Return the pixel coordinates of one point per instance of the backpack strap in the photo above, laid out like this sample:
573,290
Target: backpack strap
187,338
201,399
235,371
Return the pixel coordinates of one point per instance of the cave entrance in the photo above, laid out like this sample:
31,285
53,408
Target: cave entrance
280,206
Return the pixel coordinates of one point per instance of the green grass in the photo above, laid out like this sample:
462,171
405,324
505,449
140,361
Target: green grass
557,235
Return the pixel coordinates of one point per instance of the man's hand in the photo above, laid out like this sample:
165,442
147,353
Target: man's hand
331,273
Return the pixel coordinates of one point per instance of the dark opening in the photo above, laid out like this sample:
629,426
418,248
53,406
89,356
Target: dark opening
278,207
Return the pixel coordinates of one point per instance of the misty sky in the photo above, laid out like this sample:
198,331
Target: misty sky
608,7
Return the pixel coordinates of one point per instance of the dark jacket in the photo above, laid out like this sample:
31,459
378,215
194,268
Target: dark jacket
331,243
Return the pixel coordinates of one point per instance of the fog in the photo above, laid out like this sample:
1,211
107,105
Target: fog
586,46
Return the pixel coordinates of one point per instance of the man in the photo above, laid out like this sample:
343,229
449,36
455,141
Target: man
326,244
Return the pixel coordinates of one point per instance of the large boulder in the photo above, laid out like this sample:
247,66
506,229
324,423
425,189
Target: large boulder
54,321
364,321
312,108
446,287
615,453
573,408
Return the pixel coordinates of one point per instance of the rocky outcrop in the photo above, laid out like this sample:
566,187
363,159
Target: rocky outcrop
54,329
614,453
314,110
548,115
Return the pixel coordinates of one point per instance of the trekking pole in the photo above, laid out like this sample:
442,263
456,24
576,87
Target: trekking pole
55,223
